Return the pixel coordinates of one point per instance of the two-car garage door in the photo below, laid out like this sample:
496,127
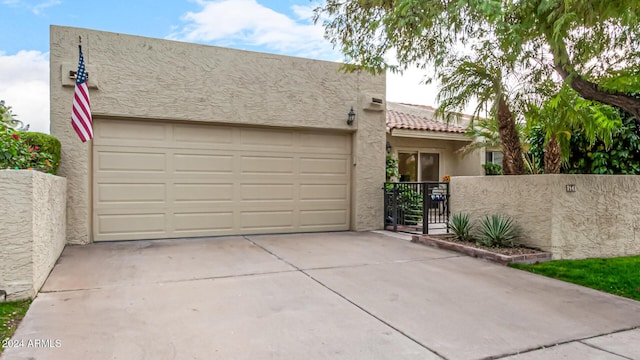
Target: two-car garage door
170,180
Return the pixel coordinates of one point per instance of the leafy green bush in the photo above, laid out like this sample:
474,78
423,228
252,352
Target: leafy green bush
587,157
497,231
15,153
461,226
492,169
410,204
47,144
392,168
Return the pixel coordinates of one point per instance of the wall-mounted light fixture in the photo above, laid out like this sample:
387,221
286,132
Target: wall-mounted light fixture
388,147
351,117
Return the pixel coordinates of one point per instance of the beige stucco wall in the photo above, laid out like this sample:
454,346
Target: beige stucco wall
33,220
599,219
451,162
167,80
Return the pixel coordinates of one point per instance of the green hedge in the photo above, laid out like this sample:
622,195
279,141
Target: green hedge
47,143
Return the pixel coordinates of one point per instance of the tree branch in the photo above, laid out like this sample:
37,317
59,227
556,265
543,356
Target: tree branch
589,90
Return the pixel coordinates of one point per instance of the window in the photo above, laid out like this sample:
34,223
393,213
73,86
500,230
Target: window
419,166
407,166
429,167
494,157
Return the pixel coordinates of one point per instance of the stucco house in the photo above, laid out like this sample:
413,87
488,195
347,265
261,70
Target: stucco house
427,147
194,140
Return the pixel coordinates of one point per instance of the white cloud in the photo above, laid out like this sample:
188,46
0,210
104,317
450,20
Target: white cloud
246,22
25,87
34,8
37,9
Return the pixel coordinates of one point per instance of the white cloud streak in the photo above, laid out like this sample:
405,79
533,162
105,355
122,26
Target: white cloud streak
25,87
36,9
246,22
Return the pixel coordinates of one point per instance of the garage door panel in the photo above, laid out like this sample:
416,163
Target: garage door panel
323,191
265,165
267,192
308,205
130,193
202,221
323,166
267,220
205,180
123,161
203,163
189,193
134,224
313,218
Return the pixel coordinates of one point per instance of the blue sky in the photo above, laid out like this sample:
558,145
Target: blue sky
273,26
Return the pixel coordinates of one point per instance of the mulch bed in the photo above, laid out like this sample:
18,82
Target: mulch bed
514,255
518,250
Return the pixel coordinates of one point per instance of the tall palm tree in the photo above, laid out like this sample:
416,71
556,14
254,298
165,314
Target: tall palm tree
483,79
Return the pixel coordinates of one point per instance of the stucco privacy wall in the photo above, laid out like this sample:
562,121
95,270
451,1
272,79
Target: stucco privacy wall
33,215
599,219
158,79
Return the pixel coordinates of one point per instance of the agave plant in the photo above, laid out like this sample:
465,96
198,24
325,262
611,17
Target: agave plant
461,226
497,231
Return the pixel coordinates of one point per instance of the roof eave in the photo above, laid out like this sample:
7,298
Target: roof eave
429,134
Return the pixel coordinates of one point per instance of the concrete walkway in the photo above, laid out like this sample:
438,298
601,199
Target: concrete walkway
313,296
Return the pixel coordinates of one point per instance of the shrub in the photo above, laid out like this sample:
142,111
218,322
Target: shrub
461,226
410,204
16,153
392,168
492,169
47,144
497,231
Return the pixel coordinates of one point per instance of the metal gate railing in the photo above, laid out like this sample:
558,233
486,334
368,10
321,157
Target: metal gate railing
415,206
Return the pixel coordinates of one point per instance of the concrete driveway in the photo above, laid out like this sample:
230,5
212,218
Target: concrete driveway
313,296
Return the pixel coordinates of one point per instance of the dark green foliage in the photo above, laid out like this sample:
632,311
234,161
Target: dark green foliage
461,226
47,144
622,158
497,231
392,168
410,204
536,145
492,169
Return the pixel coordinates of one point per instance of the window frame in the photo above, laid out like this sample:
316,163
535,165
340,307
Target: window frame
418,151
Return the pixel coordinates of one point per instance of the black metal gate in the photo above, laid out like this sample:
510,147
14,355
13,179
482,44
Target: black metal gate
416,206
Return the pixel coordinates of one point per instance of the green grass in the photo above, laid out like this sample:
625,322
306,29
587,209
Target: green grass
619,276
10,315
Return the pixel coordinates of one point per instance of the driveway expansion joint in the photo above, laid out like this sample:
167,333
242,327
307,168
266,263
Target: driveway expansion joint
170,281
605,350
416,341
580,340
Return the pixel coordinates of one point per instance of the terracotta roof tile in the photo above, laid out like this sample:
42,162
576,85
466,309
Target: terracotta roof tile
399,120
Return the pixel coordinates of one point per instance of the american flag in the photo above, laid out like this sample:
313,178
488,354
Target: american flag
81,113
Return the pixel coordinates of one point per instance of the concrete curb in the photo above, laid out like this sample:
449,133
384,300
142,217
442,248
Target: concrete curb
481,253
